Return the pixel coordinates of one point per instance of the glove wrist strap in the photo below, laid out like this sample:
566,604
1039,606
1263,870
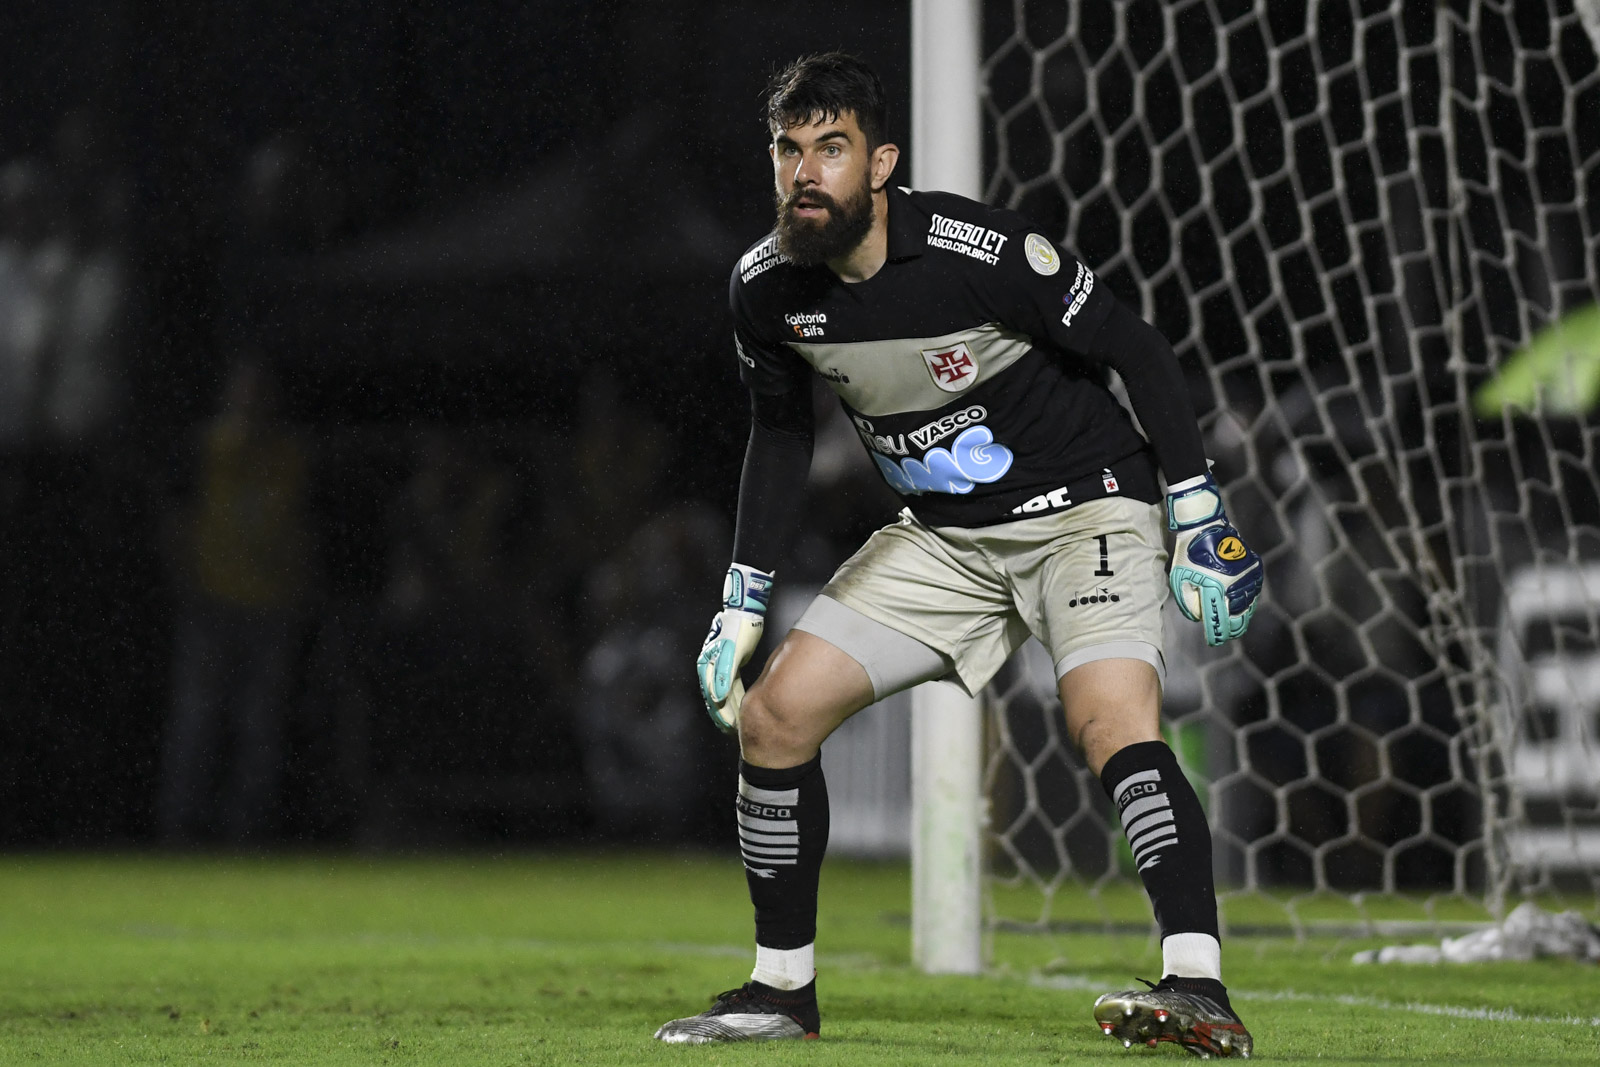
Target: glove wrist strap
1194,502
747,589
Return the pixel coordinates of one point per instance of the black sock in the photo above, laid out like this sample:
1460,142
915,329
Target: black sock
783,832
1168,833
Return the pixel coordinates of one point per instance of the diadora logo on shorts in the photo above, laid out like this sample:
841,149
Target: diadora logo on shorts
973,457
832,374
807,324
1098,596
953,369
968,238
923,437
1082,286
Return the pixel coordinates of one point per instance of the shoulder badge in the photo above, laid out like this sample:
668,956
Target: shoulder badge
1042,255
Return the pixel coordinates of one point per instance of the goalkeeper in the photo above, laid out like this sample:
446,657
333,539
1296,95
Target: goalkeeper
970,353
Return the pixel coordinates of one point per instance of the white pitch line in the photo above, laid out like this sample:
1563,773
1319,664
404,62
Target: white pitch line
1502,1015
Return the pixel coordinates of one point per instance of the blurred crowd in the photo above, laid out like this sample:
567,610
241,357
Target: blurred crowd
260,625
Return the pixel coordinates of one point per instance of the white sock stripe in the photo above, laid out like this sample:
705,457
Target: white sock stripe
750,822
1148,822
1121,788
1161,840
1142,807
779,797
1151,839
767,850
770,861
768,839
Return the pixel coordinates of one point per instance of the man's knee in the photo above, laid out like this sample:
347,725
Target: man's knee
772,728
1103,736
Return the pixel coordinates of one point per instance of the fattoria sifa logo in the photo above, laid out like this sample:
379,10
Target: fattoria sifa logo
1042,255
953,369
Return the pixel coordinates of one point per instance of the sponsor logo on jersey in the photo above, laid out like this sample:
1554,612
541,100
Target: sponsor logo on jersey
807,324
922,438
953,369
738,346
968,238
1058,497
1109,480
1042,256
1082,286
974,457
761,258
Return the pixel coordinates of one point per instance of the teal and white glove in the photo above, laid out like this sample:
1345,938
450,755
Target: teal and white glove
1215,577
735,632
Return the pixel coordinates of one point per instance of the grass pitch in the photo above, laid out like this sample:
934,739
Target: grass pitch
575,958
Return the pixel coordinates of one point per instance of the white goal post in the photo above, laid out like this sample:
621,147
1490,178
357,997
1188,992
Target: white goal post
1371,231
946,725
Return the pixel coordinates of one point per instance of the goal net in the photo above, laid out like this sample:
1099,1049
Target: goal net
1372,233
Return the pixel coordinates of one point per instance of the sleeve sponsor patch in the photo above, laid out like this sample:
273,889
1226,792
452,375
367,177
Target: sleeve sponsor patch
1082,286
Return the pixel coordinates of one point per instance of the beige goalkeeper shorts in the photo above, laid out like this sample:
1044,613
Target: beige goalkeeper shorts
1087,582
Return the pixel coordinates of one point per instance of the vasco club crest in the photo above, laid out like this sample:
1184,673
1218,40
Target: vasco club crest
953,369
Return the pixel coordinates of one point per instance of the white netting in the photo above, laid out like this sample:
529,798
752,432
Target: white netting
1370,231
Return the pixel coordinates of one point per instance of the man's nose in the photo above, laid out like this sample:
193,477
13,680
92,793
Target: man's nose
805,171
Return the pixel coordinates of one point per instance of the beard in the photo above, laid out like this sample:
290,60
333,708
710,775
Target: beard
809,243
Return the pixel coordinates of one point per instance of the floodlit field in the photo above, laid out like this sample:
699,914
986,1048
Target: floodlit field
577,957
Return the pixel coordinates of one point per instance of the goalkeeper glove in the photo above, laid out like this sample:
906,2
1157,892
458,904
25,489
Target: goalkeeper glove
735,632
1215,577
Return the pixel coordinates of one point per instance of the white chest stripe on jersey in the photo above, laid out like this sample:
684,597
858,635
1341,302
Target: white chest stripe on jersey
892,376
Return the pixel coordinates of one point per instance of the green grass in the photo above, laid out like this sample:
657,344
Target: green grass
575,958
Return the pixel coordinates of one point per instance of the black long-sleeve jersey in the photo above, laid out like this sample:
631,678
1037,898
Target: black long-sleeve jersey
970,365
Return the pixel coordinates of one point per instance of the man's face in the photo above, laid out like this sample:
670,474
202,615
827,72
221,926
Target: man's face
823,173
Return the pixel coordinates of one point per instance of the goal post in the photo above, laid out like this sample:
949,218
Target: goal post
946,724
1371,231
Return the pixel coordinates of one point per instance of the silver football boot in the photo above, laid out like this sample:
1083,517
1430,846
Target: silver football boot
1194,1012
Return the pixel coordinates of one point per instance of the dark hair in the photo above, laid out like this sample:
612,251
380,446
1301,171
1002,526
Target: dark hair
821,88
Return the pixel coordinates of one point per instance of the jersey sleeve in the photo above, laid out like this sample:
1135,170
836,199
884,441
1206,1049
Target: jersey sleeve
1052,296
765,366
1047,293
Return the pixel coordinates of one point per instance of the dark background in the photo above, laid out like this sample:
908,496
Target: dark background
475,245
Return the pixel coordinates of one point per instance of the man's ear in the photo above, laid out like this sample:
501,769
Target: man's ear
884,157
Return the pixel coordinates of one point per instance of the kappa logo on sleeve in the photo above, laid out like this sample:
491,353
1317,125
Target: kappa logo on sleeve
953,369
